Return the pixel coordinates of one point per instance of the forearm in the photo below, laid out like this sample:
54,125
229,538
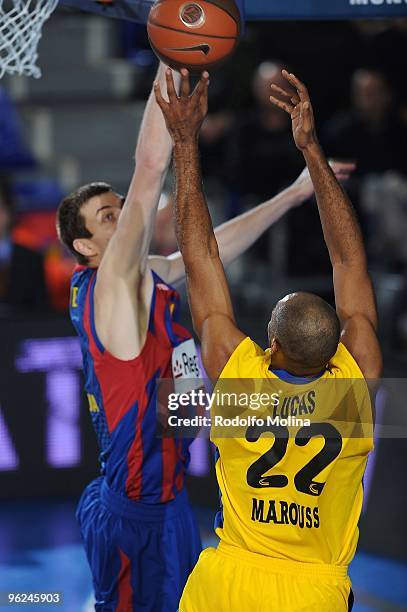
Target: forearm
236,236
194,230
154,145
208,291
339,223
130,245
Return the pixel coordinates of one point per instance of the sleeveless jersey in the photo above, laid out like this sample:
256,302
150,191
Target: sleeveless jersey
291,482
123,396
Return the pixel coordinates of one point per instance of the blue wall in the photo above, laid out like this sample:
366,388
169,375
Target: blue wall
137,10
324,9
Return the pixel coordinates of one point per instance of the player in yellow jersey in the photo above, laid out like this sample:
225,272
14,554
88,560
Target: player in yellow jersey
291,487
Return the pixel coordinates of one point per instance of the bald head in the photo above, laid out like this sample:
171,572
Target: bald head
306,329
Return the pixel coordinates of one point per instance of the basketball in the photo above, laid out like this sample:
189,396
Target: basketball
194,35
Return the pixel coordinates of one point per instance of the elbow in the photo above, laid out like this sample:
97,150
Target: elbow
197,323
351,258
195,251
210,247
213,247
197,327
153,164
348,264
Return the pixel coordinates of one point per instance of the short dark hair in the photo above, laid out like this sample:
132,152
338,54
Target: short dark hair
307,329
70,221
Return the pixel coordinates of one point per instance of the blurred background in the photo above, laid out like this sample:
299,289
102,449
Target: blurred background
79,123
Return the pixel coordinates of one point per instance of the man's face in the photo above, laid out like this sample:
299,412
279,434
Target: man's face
101,214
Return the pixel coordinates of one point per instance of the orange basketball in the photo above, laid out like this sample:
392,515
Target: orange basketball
194,35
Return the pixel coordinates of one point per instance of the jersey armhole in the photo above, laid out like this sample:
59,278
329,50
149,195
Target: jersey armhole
355,365
101,348
151,318
352,360
95,336
237,350
158,278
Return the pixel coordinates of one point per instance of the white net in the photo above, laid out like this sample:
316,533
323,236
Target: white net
21,24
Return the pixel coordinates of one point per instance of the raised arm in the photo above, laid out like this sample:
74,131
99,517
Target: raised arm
354,295
124,284
237,235
207,286
127,252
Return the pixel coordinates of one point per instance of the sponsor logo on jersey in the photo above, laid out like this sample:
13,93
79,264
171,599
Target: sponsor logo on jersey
185,367
284,513
185,361
74,297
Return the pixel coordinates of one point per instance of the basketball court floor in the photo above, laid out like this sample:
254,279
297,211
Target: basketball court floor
40,551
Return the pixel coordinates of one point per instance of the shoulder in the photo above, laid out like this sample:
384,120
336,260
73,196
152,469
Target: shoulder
362,344
80,283
343,364
247,360
82,274
356,364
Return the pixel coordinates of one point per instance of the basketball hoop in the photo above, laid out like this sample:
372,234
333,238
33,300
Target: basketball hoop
21,24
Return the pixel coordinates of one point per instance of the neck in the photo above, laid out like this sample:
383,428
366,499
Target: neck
94,262
281,363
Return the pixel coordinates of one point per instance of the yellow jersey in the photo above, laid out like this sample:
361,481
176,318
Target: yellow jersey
290,457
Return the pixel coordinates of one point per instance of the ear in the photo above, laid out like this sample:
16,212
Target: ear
270,333
84,247
274,346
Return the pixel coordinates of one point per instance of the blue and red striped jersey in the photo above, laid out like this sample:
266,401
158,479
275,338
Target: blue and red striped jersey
122,396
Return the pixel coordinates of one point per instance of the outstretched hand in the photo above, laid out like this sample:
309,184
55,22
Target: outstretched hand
298,106
184,114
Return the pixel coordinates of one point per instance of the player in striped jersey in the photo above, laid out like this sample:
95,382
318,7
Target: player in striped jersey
140,535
